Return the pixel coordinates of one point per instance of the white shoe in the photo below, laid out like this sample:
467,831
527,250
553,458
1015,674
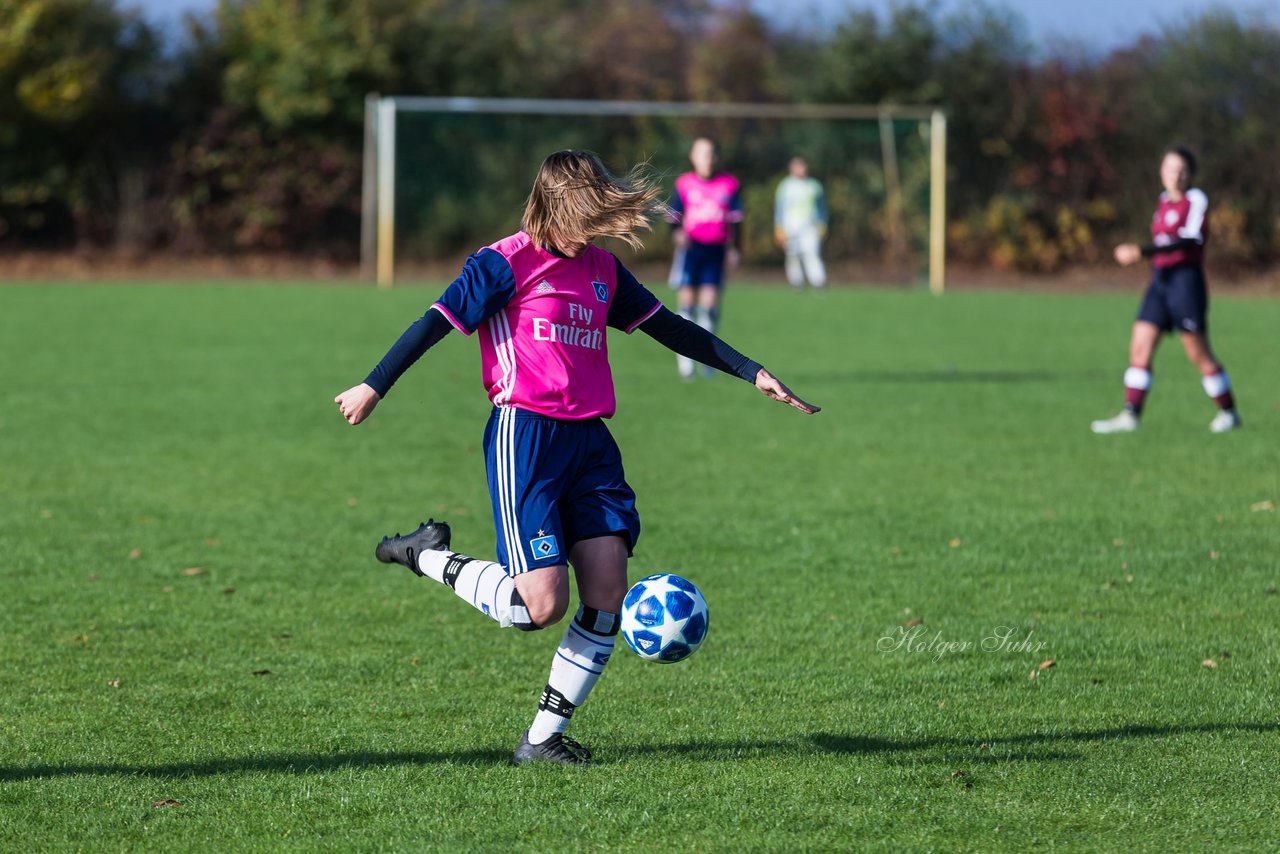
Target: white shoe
1125,422
1225,420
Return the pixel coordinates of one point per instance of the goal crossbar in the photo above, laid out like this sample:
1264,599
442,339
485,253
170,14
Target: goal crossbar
683,109
377,239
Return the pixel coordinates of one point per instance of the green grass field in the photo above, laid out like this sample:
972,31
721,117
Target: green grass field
192,610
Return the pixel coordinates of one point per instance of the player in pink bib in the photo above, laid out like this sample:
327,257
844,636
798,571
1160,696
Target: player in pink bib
540,302
706,212
545,349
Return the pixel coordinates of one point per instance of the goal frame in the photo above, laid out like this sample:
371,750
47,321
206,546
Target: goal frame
377,240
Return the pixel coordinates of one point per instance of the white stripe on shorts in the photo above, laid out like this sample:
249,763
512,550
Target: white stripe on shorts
505,458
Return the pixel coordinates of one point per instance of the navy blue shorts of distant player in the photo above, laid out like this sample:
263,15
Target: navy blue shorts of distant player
554,483
703,264
1177,299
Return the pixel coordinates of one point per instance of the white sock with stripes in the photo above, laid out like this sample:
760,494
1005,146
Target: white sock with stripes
483,584
583,653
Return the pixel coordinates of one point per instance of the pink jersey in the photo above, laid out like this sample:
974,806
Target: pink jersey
1186,218
706,208
542,320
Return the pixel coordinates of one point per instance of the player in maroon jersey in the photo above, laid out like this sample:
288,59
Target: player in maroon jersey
1176,298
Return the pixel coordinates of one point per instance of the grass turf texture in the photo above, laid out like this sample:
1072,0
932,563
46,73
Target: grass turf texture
183,510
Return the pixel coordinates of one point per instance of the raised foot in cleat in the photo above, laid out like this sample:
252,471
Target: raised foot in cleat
404,550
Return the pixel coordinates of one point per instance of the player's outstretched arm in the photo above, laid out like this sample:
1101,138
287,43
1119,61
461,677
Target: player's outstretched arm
357,402
771,386
689,339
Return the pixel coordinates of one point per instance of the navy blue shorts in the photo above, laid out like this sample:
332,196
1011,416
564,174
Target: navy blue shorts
1177,298
554,483
703,264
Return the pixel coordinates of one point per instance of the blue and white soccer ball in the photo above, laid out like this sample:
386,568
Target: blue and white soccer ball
664,618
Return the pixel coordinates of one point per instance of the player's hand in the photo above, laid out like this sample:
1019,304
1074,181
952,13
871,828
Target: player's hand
1128,253
732,258
357,402
771,386
679,238
780,238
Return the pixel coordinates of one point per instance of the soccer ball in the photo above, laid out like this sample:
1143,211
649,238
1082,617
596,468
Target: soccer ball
664,618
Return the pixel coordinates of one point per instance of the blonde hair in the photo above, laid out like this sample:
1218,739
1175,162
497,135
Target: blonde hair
576,199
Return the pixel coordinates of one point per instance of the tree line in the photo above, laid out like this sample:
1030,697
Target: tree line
244,132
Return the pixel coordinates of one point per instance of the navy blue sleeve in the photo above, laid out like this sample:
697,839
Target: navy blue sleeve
416,340
485,285
689,339
735,220
633,303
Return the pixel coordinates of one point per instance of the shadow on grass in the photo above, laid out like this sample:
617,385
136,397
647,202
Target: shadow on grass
950,375
870,745
991,749
1029,747
280,764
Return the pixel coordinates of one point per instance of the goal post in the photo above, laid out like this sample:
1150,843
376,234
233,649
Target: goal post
897,169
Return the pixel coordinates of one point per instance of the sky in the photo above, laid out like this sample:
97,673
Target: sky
1099,24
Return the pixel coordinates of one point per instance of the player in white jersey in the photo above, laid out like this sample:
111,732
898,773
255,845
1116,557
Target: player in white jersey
541,302
800,224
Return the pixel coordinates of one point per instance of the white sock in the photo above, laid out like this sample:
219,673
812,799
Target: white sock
708,319
483,584
583,653
683,363
1216,384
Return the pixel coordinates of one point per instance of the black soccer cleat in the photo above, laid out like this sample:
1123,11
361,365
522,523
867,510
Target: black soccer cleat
430,536
557,748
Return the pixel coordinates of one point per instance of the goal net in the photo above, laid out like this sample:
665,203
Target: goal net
445,176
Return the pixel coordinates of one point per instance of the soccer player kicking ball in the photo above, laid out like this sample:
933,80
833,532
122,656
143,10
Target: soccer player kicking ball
541,300
1176,298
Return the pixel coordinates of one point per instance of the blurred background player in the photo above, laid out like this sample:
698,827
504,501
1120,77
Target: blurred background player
541,302
800,224
706,211
675,278
1176,298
